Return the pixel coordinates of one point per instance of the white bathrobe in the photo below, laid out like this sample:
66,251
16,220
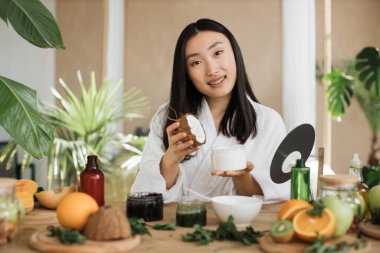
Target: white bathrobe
195,173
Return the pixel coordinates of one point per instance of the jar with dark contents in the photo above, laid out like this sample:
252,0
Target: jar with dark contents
190,213
146,205
343,187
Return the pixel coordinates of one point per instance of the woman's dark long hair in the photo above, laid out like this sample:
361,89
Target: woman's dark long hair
239,119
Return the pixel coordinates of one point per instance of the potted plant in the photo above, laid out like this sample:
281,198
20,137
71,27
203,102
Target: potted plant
19,114
360,80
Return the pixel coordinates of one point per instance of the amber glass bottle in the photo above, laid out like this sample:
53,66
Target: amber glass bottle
92,180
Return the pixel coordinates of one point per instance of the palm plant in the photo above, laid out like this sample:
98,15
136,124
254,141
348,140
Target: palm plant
85,125
360,79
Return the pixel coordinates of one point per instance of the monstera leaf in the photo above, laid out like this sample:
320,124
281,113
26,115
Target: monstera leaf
32,21
339,92
368,67
20,117
370,105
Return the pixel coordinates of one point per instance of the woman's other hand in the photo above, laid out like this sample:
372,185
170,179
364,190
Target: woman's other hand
233,173
244,182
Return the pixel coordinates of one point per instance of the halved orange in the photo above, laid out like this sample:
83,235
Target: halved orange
307,226
291,208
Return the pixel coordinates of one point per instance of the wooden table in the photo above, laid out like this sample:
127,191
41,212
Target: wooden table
160,241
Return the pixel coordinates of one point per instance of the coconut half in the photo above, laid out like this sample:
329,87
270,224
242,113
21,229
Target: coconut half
191,125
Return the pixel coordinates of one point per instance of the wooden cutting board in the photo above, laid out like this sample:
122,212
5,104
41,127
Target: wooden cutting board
370,229
43,243
268,245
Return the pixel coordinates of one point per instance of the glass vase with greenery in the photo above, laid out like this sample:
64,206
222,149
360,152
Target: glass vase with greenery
86,125
360,80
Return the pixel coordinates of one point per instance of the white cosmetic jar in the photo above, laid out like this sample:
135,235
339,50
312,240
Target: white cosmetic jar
228,158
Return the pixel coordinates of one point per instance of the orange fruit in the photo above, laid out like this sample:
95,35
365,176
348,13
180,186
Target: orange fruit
307,226
291,208
75,209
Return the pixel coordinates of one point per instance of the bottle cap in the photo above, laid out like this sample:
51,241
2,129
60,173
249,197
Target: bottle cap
300,163
356,162
92,159
338,180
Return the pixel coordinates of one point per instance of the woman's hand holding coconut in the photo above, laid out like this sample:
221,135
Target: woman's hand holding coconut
175,153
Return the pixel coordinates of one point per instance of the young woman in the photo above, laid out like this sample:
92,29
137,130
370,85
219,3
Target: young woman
210,81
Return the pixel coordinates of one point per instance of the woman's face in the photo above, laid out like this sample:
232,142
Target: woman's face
211,64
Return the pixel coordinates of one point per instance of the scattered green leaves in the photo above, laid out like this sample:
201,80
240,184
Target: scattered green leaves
225,231
318,208
200,235
170,226
138,226
320,246
228,231
66,235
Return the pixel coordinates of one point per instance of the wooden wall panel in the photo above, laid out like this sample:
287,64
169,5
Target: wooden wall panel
82,24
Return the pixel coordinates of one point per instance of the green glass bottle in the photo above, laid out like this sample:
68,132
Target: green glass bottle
300,181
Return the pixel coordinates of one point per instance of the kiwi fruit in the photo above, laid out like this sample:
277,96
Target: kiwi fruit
281,231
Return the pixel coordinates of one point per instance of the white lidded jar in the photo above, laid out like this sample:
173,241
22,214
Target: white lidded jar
229,158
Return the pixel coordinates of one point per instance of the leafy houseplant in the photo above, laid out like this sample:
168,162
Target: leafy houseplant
362,81
19,114
85,125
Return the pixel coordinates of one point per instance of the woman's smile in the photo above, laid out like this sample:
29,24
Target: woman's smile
217,82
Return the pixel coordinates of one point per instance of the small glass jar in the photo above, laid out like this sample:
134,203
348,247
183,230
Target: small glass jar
190,213
11,211
146,205
345,188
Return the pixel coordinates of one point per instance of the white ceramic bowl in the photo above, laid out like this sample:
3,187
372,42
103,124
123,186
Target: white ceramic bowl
243,209
231,157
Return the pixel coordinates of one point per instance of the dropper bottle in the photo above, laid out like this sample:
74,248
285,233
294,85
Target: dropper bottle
355,167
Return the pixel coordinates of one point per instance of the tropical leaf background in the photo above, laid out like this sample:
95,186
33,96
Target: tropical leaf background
340,94
368,67
361,80
32,21
370,105
20,117
19,114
